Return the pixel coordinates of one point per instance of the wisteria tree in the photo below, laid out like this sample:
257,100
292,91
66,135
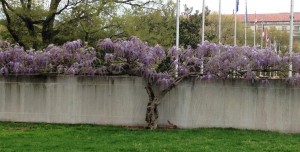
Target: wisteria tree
161,69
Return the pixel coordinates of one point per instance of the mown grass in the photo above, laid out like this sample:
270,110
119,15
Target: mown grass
54,137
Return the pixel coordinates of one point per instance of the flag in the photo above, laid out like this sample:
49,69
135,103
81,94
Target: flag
237,6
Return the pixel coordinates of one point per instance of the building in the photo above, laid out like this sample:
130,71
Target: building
279,20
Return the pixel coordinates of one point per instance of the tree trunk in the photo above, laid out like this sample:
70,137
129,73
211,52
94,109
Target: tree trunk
154,101
152,111
48,24
152,114
32,33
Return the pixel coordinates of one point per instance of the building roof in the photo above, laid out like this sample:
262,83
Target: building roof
276,17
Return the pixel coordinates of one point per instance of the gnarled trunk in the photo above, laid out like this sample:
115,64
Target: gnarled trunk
152,114
154,101
152,111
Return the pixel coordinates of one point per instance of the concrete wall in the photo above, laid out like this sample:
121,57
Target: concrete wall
122,101
68,99
234,103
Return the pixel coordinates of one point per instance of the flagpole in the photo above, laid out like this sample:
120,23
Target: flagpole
291,37
203,20
255,22
177,36
235,33
246,23
236,9
203,28
220,20
262,35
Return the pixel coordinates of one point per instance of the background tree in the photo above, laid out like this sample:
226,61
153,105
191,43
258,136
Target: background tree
88,21
190,27
29,24
155,26
2,29
212,29
281,37
296,47
35,25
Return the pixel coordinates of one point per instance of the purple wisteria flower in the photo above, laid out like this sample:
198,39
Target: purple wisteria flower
153,63
109,57
106,45
73,46
4,71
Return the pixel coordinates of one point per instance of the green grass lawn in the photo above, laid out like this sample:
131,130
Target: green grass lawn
51,137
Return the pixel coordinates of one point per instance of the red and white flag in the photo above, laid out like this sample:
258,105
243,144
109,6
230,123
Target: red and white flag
267,38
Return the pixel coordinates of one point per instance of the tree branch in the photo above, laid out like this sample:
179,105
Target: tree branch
4,3
129,2
150,92
165,91
142,5
9,25
66,6
38,22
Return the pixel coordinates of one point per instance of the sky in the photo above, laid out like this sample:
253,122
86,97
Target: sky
260,6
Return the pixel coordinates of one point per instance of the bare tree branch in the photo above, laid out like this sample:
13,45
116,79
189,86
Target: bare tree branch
66,6
141,4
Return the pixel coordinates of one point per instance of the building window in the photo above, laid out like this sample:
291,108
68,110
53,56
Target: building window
284,28
297,28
